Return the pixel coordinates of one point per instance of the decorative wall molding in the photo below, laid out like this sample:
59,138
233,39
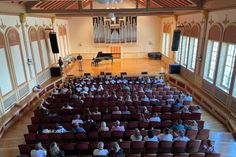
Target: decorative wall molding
2,25
211,21
226,21
17,24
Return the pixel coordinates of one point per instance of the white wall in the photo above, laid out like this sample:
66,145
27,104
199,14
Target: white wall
148,37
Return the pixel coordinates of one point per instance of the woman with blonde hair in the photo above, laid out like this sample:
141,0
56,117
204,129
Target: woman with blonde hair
103,127
55,150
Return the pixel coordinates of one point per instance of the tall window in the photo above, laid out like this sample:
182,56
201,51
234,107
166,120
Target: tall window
193,48
178,53
185,46
212,53
234,89
166,40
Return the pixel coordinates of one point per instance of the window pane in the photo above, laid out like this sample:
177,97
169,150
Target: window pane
213,60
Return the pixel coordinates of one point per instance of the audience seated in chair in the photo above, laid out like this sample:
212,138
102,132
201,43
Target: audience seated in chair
59,129
116,150
208,147
39,151
103,127
181,136
150,137
136,136
100,151
55,151
77,120
155,118
166,135
118,127
77,128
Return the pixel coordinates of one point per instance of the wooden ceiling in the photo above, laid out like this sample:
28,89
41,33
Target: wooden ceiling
87,7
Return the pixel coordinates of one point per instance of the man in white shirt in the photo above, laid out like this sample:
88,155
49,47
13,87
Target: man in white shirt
39,151
166,136
181,137
77,120
100,151
155,118
188,97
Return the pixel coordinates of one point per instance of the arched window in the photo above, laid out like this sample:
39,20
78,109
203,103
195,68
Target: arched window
184,46
213,43
227,59
44,49
166,39
16,56
35,50
193,47
5,78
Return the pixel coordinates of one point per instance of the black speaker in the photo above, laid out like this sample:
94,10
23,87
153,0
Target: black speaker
176,39
55,71
174,68
53,41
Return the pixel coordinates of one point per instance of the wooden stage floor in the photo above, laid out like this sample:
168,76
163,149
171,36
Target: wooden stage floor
224,141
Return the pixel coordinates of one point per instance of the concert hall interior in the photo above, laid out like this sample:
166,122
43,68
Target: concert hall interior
123,78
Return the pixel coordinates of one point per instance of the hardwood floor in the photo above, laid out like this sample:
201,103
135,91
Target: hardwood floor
224,141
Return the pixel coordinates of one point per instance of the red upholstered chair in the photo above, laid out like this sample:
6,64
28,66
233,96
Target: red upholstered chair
116,135
127,134
196,116
56,119
156,109
93,145
25,149
151,147
133,155
82,147
116,116
166,116
186,116
30,138
81,137
137,147
212,155
143,132
132,124
144,125
181,155
44,138
166,123
193,146
55,137
179,146
97,118
197,155
203,134
68,137
67,118
149,155
155,125
92,135
126,146
35,120
135,116
165,109
186,102
126,117
200,124
165,147
165,155
175,116
105,135
69,148
45,119
106,117
174,109
109,145
191,134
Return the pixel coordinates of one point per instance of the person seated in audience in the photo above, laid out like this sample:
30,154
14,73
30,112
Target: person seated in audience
193,125
166,86
148,80
100,88
96,112
74,96
126,88
118,127
150,137
148,90
136,136
116,150
90,95
197,110
39,151
67,107
42,130
37,88
178,126
64,90
77,120
86,89
145,110
177,103
43,109
77,128
87,113
154,100
166,135
93,88
188,97
113,95
126,111
208,147
145,98
155,118
128,99
143,118
116,110
55,151
160,80
100,151
181,136
113,81
103,127
59,129
120,98
136,98
106,94
141,90
184,109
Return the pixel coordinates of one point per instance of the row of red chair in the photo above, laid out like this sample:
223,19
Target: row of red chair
104,135
85,148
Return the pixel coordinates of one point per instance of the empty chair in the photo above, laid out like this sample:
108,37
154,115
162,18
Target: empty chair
197,155
165,147
151,147
203,134
125,145
176,116
30,138
55,137
186,116
196,116
191,134
25,149
137,146
68,137
44,138
32,128
156,109
117,135
105,135
166,123
92,135
165,155
179,146
81,136
165,109
166,116
133,125
69,148
82,147
193,146
212,155
155,125
116,116
144,125
181,155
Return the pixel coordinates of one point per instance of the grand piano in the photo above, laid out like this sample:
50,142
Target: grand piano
102,56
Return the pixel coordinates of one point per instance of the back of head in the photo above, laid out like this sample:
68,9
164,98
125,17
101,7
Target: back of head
38,146
117,123
150,134
100,145
137,132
